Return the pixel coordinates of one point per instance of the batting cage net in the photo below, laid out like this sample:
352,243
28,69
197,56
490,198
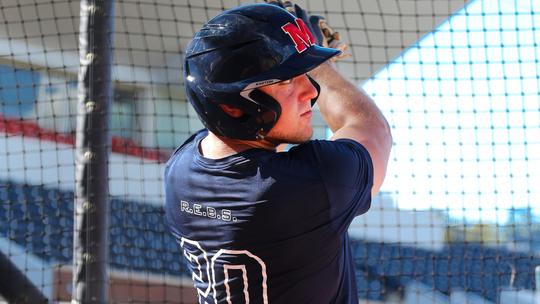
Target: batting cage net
457,220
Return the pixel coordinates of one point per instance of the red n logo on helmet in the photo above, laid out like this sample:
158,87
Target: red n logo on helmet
300,34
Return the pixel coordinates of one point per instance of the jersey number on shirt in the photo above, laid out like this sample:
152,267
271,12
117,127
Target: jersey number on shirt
222,267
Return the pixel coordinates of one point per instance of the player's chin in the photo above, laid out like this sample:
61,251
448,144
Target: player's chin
302,138
296,138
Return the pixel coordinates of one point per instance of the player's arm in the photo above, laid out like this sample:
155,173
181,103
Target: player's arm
351,113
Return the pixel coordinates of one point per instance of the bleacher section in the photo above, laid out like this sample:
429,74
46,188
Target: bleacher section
40,219
466,267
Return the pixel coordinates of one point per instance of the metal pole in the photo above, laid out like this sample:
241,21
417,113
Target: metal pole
15,286
90,275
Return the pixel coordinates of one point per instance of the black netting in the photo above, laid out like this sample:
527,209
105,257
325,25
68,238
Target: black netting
456,220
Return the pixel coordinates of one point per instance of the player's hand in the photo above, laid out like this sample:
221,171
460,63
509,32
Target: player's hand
324,34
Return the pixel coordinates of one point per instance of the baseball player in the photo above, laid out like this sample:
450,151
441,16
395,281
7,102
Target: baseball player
256,225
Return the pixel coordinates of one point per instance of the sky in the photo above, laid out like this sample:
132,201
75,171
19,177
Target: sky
464,107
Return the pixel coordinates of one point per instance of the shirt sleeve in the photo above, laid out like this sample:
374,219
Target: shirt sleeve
346,170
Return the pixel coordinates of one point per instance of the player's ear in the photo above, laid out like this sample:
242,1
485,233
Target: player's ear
231,111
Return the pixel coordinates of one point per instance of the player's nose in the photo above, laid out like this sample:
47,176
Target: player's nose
308,89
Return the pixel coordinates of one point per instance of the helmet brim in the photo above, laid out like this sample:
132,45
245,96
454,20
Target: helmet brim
308,60
296,65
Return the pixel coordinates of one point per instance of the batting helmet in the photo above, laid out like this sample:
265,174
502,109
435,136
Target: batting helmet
239,51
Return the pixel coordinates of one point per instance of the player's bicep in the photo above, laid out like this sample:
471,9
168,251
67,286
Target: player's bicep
377,145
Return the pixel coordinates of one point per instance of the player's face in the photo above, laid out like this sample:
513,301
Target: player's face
294,97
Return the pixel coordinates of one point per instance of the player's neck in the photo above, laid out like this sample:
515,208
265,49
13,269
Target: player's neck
215,147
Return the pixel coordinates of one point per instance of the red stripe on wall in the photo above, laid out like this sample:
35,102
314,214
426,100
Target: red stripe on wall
28,128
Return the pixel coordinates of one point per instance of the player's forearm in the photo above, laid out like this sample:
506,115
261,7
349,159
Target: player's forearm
344,104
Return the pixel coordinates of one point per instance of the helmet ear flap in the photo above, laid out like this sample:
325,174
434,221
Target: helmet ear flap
317,87
269,111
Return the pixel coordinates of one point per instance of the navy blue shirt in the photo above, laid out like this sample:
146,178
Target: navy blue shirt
269,227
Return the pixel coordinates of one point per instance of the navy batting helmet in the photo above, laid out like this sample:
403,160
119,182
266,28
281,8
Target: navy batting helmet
239,51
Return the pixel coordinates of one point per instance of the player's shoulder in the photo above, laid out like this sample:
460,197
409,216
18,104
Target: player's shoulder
322,155
342,161
192,140
325,150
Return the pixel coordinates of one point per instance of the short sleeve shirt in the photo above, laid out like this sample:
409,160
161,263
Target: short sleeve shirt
267,227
